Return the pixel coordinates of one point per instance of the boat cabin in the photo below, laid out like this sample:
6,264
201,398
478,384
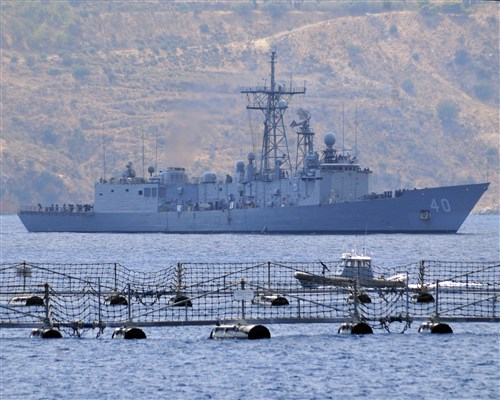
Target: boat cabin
354,266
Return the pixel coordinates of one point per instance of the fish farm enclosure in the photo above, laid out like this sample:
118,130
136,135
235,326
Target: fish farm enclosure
76,298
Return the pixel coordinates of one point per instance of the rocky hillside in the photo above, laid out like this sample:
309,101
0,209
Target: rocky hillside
84,82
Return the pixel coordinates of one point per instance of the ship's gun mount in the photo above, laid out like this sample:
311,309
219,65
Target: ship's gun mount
129,172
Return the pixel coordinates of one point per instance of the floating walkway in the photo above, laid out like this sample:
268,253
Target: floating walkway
239,297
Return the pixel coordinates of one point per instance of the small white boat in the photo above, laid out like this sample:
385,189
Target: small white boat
355,269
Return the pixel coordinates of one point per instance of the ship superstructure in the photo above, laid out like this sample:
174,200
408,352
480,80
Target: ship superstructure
315,193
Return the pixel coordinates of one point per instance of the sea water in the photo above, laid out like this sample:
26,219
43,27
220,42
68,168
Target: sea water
300,361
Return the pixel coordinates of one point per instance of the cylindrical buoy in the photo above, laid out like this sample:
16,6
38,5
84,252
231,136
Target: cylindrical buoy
128,332
116,300
28,301
240,332
180,301
355,328
46,333
434,327
270,300
362,298
424,298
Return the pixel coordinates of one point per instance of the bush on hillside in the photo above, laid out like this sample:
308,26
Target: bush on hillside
408,87
30,60
80,72
354,51
54,72
461,57
483,91
448,111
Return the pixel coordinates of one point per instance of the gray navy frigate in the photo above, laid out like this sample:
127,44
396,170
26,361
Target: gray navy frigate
326,192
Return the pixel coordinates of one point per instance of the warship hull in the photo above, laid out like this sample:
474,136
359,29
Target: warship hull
433,210
271,194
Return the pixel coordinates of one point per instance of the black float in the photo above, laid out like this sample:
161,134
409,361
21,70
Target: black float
180,301
270,300
239,331
355,328
28,301
46,333
128,332
116,300
424,297
434,327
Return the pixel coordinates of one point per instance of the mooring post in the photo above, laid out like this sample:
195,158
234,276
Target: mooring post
24,275
494,305
179,276
242,300
116,283
356,299
269,274
47,309
99,300
129,304
437,297
407,288
421,274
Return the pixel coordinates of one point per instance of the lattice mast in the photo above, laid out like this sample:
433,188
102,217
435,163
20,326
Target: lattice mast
273,102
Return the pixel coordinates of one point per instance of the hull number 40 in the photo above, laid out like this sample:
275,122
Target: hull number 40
442,205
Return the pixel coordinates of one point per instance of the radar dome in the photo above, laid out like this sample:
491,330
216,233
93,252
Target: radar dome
251,156
151,170
240,166
329,139
281,104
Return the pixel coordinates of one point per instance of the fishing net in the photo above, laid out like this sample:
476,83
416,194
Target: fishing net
80,297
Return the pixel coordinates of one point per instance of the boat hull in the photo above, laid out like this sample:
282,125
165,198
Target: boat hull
434,210
308,280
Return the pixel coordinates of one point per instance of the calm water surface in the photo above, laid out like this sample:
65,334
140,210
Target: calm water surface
299,362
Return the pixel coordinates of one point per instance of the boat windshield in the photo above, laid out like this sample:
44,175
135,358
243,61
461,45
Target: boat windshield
356,268
356,263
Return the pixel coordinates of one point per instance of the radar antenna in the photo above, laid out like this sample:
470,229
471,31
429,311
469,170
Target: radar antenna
305,138
273,102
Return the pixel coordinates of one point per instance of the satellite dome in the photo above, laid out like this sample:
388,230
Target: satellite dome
151,170
329,139
251,156
282,104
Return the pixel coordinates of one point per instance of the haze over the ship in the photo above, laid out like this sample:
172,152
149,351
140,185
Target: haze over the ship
422,75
